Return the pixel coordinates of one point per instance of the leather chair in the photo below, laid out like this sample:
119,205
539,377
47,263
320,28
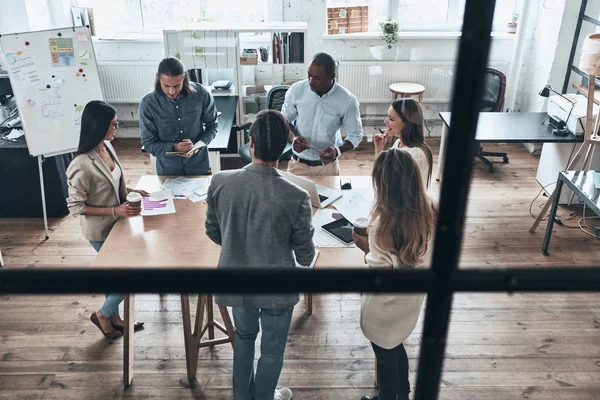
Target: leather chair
275,99
493,101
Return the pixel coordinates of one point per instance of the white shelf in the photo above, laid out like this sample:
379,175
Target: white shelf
250,27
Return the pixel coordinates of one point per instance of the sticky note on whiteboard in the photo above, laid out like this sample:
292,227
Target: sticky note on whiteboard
82,36
10,58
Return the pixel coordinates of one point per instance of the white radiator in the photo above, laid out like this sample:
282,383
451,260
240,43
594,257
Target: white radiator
126,82
370,81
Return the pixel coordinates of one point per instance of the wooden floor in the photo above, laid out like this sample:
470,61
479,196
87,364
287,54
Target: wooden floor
524,346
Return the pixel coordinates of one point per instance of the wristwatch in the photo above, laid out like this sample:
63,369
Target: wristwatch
338,151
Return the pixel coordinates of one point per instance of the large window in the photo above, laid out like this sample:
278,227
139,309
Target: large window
151,16
425,15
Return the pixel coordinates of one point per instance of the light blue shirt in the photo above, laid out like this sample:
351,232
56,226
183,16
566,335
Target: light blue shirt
318,119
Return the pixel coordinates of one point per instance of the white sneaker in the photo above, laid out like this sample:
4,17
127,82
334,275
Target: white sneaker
283,394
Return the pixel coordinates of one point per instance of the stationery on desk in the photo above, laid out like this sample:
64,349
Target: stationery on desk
158,203
194,189
354,205
321,238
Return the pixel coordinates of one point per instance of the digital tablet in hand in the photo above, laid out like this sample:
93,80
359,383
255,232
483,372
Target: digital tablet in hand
341,229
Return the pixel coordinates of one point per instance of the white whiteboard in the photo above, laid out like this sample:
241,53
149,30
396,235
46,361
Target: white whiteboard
53,75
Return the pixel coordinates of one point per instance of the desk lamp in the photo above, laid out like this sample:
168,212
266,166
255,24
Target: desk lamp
561,127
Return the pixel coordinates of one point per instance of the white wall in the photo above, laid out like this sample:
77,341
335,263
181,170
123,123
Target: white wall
13,16
547,43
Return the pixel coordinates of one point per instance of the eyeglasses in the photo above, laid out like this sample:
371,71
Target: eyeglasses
116,124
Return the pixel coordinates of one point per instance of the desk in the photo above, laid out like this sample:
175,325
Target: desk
226,105
20,182
179,240
497,127
582,184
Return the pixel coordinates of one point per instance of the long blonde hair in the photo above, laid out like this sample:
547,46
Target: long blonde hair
406,215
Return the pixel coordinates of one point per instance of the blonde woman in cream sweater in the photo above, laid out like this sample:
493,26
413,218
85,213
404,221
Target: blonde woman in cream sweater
399,236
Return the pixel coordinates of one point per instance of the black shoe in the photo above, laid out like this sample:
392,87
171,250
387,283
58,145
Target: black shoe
369,398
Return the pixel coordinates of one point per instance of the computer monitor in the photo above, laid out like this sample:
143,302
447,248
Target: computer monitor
5,87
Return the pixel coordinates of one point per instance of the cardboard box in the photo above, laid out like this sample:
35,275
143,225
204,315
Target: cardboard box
249,60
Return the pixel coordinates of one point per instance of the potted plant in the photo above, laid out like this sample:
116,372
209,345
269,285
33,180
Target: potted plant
512,26
389,32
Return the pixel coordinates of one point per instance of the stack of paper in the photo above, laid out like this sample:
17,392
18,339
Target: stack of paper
355,204
322,238
158,203
194,189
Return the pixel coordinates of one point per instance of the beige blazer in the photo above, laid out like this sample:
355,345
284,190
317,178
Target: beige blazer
91,184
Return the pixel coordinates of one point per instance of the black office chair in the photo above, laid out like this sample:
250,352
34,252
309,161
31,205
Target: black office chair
493,101
275,99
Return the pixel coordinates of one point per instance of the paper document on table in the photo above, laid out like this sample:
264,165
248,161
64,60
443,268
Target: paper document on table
194,189
14,134
355,204
160,195
312,263
152,206
194,197
322,238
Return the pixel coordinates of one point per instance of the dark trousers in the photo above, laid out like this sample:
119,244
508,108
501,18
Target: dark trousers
392,372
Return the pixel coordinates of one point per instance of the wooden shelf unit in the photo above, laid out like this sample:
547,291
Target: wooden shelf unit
584,91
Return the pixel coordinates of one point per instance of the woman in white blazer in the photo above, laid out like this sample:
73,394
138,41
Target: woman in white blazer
401,229
97,193
405,121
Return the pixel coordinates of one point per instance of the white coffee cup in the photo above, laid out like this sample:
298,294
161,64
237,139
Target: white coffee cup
134,199
360,226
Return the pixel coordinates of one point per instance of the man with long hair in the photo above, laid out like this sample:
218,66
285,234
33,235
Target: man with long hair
177,114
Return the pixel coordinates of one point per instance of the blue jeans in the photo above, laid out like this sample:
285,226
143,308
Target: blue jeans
111,304
275,325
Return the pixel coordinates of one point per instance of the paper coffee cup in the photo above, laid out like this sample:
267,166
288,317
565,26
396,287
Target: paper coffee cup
360,226
134,199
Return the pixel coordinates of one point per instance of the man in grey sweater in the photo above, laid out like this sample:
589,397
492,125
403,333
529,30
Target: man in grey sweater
260,220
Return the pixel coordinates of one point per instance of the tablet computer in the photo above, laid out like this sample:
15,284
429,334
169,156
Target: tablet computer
341,229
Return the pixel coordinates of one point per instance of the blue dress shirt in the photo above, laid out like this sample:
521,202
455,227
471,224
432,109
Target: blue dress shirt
318,119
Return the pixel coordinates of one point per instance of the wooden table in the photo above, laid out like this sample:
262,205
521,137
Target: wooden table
179,240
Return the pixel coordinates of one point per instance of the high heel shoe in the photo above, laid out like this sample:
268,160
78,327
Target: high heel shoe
109,335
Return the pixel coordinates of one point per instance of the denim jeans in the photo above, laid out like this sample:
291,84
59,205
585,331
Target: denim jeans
392,372
275,325
111,304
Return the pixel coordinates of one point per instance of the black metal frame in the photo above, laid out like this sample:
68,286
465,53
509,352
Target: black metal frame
440,282
570,67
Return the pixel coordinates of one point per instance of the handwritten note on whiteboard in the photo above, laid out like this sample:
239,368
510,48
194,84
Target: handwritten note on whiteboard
23,68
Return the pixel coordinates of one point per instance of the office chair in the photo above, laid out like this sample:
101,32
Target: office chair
275,99
493,101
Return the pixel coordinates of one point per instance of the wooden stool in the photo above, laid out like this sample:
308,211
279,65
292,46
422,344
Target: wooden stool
407,89
193,340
